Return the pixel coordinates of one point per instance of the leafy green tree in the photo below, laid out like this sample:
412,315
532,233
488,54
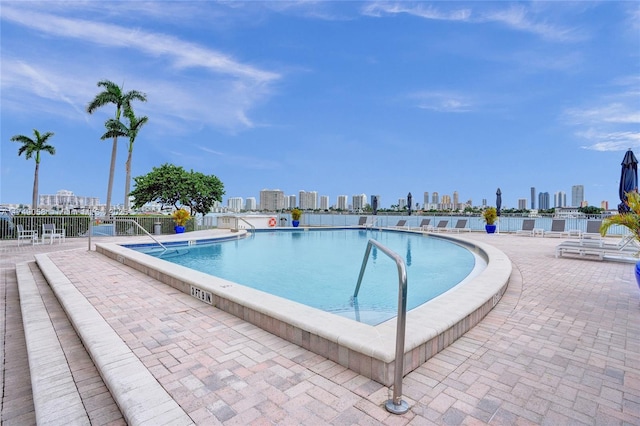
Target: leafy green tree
172,185
29,148
113,94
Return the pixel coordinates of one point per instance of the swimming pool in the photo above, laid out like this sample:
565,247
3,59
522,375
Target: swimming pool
366,349
319,268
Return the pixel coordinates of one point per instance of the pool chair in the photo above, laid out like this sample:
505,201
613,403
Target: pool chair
461,225
424,225
557,228
365,221
592,234
626,250
527,227
31,236
442,225
49,231
401,224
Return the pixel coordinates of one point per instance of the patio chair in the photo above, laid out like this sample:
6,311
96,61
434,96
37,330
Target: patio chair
527,227
366,221
625,250
31,235
557,228
424,225
592,233
461,225
49,231
401,224
441,225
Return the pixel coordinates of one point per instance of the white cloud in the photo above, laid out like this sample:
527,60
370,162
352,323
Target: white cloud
614,141
419,10
442,101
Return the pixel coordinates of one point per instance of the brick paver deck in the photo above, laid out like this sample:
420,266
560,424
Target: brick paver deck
561,347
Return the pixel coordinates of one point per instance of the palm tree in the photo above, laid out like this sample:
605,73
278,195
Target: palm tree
116,128
29,147
113,94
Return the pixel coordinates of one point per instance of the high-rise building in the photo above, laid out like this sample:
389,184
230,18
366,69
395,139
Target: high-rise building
435,198
290,202
425,201
543,201
560,199
359,202
522,204
446,203
65,199
456,200
308,200
577,195
533,198
250,204
234,204
341,202
271,200
324,202
604,205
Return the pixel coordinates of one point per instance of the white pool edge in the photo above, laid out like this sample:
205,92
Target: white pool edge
367,350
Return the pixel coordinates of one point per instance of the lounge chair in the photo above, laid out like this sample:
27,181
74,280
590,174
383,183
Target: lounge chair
527,227
31,235
557,228
441,225
626,250
424,225
461,225
362,221
401,224
49,231
592,233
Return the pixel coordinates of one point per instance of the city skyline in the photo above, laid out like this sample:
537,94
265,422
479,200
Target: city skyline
339,97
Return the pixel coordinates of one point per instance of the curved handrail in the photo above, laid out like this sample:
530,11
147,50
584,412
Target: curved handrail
395,405
124,220
253,228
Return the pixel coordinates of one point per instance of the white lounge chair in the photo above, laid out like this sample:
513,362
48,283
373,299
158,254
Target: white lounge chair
401,224
425,225
442,225
528,226
592,233
31,235
626,250
557,228
461,225
49,231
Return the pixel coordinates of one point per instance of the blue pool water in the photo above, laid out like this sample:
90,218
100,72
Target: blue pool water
321,268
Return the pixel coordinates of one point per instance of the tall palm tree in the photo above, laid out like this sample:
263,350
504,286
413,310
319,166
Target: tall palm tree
116,128
113,94
29,148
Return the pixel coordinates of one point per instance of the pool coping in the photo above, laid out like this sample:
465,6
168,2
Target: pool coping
365,349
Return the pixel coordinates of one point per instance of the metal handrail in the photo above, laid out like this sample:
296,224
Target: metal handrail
396,405
90,232
253,228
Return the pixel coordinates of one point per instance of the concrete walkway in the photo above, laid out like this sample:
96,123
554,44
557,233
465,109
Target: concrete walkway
561,347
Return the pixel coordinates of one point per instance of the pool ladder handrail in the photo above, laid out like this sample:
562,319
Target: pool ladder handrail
396,405
114,220
253,228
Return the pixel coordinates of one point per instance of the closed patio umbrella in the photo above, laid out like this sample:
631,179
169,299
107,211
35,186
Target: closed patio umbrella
409,200
374,207
628,179
498,201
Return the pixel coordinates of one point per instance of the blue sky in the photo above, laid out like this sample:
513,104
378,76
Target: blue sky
341,98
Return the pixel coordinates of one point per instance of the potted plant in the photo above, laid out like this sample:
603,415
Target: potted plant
490,216
180,217
295,217
630,220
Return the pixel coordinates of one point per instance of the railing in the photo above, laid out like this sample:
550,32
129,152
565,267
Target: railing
118,220
396,405
253,228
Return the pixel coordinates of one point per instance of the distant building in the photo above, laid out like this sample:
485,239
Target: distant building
66,200
324,202
522,204
290,202
543,201
560,199
359,202
577,195
250,204
425,201
533,198
342,202
234,204
604,205
308,200
435,199
271,200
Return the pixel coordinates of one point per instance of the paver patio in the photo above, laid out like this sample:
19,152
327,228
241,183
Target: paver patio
561,347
